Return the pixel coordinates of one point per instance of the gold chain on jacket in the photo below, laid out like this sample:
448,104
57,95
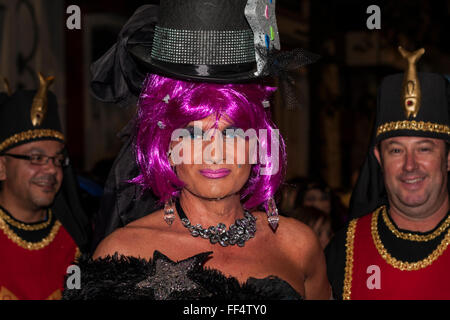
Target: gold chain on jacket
349,244
411,236
402,265
26,244
24,226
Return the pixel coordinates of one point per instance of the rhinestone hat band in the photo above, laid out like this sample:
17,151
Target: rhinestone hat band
217,47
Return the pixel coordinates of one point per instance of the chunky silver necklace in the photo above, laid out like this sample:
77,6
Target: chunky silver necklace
239,232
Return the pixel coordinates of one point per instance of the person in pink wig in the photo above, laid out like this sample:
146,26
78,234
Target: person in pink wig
206,147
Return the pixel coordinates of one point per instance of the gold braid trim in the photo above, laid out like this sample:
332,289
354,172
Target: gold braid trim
30,135
402,265
413,125
24,226
57,295
414,237
26,244
349,260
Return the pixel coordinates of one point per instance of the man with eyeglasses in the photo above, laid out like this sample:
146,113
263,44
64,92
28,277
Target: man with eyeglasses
43,228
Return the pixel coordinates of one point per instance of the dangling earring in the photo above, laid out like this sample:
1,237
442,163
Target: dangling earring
169,214
272,214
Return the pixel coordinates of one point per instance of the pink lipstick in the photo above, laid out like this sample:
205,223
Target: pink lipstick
215,174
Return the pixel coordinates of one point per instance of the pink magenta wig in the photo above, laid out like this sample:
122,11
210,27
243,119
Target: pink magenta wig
190,101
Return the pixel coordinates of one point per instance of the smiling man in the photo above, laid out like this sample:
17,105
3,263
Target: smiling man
397,245
42,225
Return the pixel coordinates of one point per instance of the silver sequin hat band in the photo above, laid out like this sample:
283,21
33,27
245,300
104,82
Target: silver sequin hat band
204,47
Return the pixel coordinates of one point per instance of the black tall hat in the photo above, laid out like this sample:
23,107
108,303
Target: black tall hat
407,105
29,115
32,115
432,118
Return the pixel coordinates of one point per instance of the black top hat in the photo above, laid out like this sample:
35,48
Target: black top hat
199,40
209,40
29,115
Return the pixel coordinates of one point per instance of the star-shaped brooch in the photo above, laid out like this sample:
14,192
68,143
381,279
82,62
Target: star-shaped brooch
167,276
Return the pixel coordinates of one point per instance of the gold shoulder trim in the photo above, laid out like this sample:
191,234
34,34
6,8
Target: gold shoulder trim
5,294
26,244
349,260
413,125
30,135
402,265
411,236
56,295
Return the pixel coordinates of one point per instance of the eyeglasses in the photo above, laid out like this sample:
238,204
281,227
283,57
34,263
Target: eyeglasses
59,160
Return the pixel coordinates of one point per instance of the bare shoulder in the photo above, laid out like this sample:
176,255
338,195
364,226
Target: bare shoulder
291,234
116,242
300,242
296,232
128,240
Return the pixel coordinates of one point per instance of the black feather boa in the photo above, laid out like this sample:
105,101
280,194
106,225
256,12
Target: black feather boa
117,277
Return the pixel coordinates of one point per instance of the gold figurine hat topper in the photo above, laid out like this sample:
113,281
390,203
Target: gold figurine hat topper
29,115
411,93
40,101
413,103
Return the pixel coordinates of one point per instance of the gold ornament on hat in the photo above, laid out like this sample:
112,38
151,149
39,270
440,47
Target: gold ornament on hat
7,86
39,106
411,94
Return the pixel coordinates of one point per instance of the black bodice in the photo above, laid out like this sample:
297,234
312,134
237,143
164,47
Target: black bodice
129,278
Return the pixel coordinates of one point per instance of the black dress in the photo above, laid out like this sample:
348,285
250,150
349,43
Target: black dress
127,278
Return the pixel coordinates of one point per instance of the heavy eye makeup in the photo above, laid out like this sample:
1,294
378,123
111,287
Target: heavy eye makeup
195,132
230,132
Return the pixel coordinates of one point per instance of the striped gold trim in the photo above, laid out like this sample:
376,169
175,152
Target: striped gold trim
413,125
30,135
349,260
402,265
26,244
